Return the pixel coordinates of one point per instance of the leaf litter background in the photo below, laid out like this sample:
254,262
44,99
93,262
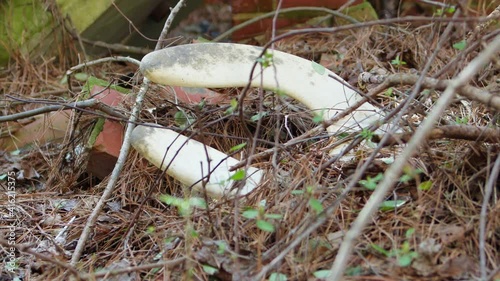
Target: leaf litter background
432,236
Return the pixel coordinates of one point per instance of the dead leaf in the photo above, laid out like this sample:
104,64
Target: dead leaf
456,267
450,233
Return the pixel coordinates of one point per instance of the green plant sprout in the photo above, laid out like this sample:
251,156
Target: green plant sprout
262,219
404,255
460,45
275,276
409,174
389,92
397,61
183,119
461,120
318,68
184,206
371,183
449,10
367,134
318,117
238,147
266,60
258,116
233,105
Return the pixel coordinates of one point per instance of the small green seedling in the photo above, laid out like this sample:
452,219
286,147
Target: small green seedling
233,105
367,134
266,60
460,45
321,274
426,185
184,206
390,205
397,61
404,255
237,147
262,219
258,116
371,183
318,68
209,269
275,276
461,120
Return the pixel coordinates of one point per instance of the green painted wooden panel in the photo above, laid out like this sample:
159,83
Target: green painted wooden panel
28,27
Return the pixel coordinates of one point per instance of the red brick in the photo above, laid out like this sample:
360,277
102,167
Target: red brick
263,26
252,6
331,4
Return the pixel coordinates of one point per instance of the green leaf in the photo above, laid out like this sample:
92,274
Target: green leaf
460,45
266,60
273,216
426,185
193,233
233,105
398,61
367,134
391,204
280,92
342,135
389,92
221,247
409,232
265,226
381,250
64,80
171,200
316,205
318,68
238,147
354,271
150,229
297,192
202,40
238,175
258,116
81,76
461,120
318,118
277,277
322,274
250,213
210,270
405,260
405,178
198,202
371,183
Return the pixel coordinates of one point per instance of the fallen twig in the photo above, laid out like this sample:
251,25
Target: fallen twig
92,103
483,217
460,132
113,272
467,91
117,47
